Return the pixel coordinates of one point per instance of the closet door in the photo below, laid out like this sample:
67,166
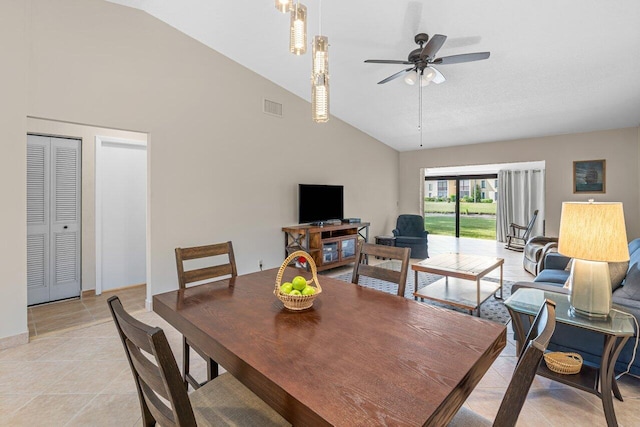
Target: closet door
53,218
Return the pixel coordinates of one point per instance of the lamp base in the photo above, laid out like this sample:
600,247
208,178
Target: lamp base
590,285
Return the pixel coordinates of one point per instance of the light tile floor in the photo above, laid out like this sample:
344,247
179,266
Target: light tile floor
80,377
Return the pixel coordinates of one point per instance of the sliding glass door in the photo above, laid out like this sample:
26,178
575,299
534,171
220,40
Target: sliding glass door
461,206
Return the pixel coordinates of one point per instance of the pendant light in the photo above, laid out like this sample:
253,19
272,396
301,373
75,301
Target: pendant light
320,75
284,6
298,36
320,80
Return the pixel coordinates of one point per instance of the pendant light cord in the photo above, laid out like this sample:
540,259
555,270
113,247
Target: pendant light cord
319,18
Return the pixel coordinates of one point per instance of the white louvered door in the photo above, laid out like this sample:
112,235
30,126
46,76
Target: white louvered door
53,218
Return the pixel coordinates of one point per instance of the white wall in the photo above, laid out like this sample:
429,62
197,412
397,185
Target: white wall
219,168
13,172
618,147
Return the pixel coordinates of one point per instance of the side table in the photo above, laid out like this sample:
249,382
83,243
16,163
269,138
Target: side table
385,241
616,329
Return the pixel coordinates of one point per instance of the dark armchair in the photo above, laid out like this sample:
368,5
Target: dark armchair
410,233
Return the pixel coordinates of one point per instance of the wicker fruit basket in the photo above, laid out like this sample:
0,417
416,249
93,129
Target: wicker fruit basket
563,363
298,302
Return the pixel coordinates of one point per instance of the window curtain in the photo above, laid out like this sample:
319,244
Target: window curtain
422,184
520,192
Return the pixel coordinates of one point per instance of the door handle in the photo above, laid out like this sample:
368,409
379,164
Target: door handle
65,227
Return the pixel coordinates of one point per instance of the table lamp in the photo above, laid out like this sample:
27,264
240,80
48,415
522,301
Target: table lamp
593,234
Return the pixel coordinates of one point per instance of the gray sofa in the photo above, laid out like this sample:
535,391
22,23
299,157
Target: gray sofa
625,283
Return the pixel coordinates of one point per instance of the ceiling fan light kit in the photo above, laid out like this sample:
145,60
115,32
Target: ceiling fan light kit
284,6
421,69
298,29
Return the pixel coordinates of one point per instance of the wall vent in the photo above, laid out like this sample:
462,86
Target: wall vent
272,108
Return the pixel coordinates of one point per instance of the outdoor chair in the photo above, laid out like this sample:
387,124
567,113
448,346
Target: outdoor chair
227,268
519,234
362,268
410,233
526,368
163,398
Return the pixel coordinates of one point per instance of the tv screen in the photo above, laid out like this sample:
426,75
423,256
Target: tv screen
320,202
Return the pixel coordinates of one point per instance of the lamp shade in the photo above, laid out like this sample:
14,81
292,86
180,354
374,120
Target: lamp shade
593,231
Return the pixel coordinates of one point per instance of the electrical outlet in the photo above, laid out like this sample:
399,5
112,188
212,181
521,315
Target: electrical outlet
260,264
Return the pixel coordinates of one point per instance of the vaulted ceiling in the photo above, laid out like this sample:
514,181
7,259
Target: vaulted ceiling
556,67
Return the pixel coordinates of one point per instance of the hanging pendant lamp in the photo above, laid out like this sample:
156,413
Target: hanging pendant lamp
284,6
298,29
320,80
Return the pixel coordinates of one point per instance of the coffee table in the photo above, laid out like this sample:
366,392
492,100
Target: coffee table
462,285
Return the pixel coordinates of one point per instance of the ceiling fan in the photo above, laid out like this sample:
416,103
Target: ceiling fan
424,57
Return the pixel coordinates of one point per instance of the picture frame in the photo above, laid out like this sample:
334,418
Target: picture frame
589,176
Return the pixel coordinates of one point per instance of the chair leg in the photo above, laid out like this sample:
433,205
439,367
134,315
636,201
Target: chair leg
185,362
212,369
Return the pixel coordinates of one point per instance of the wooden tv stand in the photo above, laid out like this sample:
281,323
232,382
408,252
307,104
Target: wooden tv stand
330,246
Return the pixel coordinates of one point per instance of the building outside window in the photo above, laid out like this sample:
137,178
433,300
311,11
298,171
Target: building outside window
442,188
483,184
464,188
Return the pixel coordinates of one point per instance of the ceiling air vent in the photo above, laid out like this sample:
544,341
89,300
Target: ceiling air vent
272,108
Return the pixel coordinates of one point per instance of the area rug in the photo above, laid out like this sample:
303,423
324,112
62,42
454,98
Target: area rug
492,309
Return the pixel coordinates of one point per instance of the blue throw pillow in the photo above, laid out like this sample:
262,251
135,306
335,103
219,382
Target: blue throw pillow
631,284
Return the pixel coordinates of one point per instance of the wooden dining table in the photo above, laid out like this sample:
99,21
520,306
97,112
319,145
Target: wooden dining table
358,357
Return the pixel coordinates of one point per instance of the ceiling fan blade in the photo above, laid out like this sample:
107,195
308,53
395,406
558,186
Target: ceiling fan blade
387,61
439,78
433,46
465,57
394,76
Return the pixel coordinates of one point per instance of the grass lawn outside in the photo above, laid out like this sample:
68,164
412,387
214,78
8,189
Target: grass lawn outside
477,220
477,227
465,208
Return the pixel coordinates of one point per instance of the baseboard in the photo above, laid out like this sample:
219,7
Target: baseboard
14,341
88,293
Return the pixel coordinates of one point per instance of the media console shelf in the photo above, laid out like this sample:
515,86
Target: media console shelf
330,246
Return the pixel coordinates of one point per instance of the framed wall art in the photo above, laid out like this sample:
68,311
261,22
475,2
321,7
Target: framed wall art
589,176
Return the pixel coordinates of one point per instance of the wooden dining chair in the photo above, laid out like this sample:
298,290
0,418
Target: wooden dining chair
526,368
185,277
362,268
161,392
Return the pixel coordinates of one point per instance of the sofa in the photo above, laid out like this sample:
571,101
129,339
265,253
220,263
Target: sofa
625,285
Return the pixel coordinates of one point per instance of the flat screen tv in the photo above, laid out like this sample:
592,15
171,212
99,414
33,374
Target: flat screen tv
320,202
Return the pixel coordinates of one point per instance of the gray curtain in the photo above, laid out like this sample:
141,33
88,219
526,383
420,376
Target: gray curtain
520,192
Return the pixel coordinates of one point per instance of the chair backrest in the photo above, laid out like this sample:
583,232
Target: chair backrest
528,362
154,369
532,221
410,225
205,273
366,250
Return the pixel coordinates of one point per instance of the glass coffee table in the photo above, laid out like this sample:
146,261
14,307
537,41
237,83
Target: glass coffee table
462,285
617,328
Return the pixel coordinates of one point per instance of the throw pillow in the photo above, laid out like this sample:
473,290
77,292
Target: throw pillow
617,271
631,286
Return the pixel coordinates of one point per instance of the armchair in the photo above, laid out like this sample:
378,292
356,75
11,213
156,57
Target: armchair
535,251
410,233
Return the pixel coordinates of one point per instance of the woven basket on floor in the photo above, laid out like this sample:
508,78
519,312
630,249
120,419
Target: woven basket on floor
298,302
563,363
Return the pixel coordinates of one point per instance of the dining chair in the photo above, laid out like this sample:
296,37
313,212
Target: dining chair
519,234
526,368
185,277
362,268
163,398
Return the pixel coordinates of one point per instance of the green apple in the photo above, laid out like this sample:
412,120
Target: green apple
295,292
309,290
286,288
299,283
